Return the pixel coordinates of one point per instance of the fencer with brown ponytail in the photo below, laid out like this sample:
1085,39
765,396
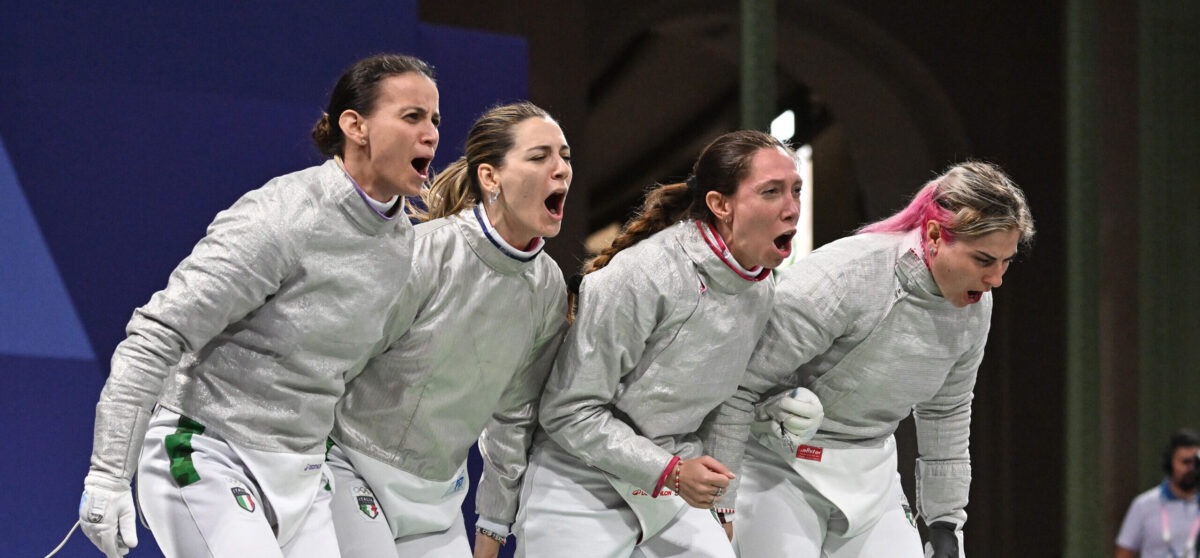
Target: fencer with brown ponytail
721,166
662,337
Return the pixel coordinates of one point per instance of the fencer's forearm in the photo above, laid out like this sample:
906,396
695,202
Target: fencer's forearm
504,466
139,368
943,427
603,441
943,488
576,415
506,439
504,444
617,314
944,473
724,434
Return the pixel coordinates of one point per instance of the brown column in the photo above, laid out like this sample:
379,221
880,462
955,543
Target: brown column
1102,272
758,64
1168,223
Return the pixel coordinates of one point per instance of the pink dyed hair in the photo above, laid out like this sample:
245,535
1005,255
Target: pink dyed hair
970,200
922,209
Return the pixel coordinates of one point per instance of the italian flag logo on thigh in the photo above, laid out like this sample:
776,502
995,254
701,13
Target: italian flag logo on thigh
366,502
244,499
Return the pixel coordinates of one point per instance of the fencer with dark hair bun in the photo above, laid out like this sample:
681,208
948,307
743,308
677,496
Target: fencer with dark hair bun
470,345
873,327
665,322
227,381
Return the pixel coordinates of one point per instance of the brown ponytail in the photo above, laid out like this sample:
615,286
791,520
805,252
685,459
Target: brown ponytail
664,206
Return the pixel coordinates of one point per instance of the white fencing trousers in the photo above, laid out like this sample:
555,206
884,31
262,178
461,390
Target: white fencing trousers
570,509
780,514
362,524
203,500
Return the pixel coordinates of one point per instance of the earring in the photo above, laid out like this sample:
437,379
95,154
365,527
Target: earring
932,251
363,141
495,195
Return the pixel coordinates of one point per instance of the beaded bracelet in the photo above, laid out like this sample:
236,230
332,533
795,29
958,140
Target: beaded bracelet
492,535
677,469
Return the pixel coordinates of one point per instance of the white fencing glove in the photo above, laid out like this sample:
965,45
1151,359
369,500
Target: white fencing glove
945,541
106,514
795,415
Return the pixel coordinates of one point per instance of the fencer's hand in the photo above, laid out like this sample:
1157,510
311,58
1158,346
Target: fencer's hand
106,514
945,541
797,412
702,481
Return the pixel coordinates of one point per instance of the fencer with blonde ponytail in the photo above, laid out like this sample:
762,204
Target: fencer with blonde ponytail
491,137
469,352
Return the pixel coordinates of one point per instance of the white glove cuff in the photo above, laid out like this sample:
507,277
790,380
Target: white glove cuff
104,481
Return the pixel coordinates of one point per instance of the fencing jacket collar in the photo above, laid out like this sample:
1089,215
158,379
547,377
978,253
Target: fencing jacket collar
717,272
491,247
355,203
911,268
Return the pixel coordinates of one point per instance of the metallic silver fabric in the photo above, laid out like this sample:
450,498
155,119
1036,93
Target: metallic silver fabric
661,337
862,324
255,329
475,335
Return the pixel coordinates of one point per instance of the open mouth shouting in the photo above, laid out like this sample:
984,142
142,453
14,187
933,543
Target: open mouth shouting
554,204
974,296
421,165
783,243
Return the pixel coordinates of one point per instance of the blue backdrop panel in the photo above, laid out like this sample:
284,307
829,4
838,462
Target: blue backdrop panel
36,315
45,423
289,51
476,70
122,204
128,127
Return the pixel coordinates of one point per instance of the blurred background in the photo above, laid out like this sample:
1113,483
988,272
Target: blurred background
125,127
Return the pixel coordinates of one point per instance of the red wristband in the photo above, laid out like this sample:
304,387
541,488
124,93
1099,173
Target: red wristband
662,479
